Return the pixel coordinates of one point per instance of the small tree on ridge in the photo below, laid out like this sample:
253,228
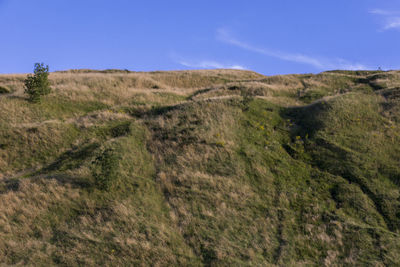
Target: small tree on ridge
38,84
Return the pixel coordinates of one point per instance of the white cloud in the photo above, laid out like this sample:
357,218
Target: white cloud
383,12
392,23
224,36
391,19
205,64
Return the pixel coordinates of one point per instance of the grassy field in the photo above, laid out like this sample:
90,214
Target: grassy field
201,168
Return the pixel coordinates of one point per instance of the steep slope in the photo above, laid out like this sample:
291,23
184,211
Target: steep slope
202,168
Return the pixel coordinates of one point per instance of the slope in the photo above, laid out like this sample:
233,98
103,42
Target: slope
208,168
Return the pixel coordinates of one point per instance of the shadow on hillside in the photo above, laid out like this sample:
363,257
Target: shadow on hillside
72,159
13,184
9,185
75,182
140,112
17,97
305,120
338,160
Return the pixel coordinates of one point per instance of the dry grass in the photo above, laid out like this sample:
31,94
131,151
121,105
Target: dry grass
22,233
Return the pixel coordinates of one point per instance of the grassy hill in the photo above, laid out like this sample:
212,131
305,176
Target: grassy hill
213,167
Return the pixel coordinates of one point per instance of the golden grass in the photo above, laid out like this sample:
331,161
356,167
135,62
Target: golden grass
20,211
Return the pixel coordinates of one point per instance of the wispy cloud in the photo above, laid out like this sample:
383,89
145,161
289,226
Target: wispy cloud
383,12
205,64
392,23
224,36
391,19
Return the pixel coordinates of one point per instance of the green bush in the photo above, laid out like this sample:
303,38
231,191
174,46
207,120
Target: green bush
105,169
38,84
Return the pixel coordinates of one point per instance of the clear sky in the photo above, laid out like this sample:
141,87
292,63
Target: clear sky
267,36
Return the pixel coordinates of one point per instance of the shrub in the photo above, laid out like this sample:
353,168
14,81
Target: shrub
4,90
38,84
247,98
121,129
105,169
235,87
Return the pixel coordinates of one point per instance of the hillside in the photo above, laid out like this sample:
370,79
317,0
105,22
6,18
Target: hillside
211,167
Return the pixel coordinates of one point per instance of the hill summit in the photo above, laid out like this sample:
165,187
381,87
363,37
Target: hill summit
193,168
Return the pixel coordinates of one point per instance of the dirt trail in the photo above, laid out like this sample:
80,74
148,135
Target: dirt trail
83,121
323,99
17,174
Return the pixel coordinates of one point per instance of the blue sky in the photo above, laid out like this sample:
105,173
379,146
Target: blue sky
270,37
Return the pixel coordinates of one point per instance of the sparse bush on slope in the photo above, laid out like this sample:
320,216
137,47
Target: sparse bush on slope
106,169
